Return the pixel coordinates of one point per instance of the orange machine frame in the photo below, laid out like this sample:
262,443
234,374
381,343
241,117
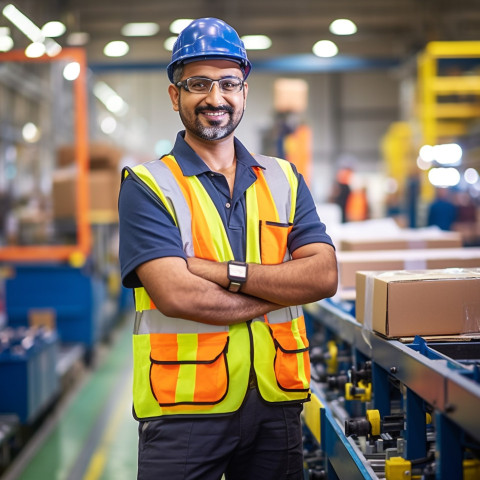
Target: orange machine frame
73,253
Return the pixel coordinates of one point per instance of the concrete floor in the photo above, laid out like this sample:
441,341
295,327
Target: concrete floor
92,435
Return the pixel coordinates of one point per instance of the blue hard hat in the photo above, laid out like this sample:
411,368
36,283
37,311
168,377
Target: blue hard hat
208,38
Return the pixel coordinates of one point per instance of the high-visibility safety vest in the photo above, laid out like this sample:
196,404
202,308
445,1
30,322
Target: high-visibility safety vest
186,367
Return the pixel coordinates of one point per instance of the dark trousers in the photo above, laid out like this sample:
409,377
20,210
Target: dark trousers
259,442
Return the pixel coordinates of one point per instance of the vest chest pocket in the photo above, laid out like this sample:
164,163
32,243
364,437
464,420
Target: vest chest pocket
292,360
273,241
189,369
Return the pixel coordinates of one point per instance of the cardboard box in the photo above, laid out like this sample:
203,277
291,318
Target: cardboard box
104,186
104,189
100,156
351,262
64,186
429,302
290,95
406,239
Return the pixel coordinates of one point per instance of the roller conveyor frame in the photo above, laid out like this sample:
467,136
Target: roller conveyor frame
427,376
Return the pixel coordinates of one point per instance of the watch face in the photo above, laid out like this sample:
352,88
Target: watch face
237,271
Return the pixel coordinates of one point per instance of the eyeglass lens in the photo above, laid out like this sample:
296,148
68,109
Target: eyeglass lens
205,85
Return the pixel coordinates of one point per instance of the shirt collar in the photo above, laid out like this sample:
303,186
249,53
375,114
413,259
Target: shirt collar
191,164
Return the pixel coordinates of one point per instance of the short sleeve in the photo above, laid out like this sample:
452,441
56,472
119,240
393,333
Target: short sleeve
307,226
146,230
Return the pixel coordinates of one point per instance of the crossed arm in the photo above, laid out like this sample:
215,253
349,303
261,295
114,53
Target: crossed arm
196,290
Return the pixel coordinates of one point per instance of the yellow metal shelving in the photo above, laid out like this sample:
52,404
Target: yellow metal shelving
441,119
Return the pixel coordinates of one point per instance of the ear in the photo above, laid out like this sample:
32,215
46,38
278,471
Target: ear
174,93
245,93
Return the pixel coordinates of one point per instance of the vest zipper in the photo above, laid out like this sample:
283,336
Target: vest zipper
252,377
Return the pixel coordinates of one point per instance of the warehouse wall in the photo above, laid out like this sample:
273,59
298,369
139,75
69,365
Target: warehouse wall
347,112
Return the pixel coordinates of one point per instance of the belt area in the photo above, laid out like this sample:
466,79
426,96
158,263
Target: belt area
252,381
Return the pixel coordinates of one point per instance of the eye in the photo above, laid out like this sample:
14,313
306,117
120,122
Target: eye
198,84
229,84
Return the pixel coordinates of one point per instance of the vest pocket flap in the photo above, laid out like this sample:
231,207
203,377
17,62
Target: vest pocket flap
188,348
189,369
288,340
283,342
273,241
291,363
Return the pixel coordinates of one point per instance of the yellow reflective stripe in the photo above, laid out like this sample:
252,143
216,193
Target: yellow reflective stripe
293,181
144,402
142,300
300,356
187,348
221,245
253,226
148,178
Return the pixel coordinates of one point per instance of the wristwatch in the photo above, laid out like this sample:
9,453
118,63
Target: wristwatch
237,274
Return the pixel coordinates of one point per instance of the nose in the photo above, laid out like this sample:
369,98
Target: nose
214,95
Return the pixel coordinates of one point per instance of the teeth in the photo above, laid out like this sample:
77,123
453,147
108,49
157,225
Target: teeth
214,114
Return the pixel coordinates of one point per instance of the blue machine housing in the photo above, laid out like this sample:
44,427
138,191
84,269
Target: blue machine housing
27,370
75,296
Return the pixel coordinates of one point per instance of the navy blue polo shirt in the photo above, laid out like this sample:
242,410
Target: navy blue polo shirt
147,231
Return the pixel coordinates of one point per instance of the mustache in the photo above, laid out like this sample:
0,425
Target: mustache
220,108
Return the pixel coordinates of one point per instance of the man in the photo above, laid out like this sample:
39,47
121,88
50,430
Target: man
220,247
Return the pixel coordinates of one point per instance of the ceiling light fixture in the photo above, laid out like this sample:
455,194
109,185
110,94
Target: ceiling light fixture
71,71
110,98
179,24
325,48
23,23
35,50
40,45
169,42
343,26
6,41
257,42
54,29
78,39
140,29
117,48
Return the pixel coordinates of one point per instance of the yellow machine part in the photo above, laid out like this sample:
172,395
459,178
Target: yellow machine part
114,283
77,259
397,468
471,469
373,417
332,361
363,397
311,416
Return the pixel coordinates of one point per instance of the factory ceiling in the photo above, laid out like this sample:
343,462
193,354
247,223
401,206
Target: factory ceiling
388,30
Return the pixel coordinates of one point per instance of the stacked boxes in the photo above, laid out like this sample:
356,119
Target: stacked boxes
103,180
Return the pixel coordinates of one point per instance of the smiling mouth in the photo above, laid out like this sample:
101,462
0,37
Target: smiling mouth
215,118
214,114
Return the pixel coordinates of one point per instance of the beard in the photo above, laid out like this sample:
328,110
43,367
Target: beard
215,130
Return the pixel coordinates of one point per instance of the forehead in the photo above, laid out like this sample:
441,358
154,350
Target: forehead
212,69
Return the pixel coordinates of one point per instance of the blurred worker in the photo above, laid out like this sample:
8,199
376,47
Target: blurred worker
221,246
341,190
442,212
357,208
